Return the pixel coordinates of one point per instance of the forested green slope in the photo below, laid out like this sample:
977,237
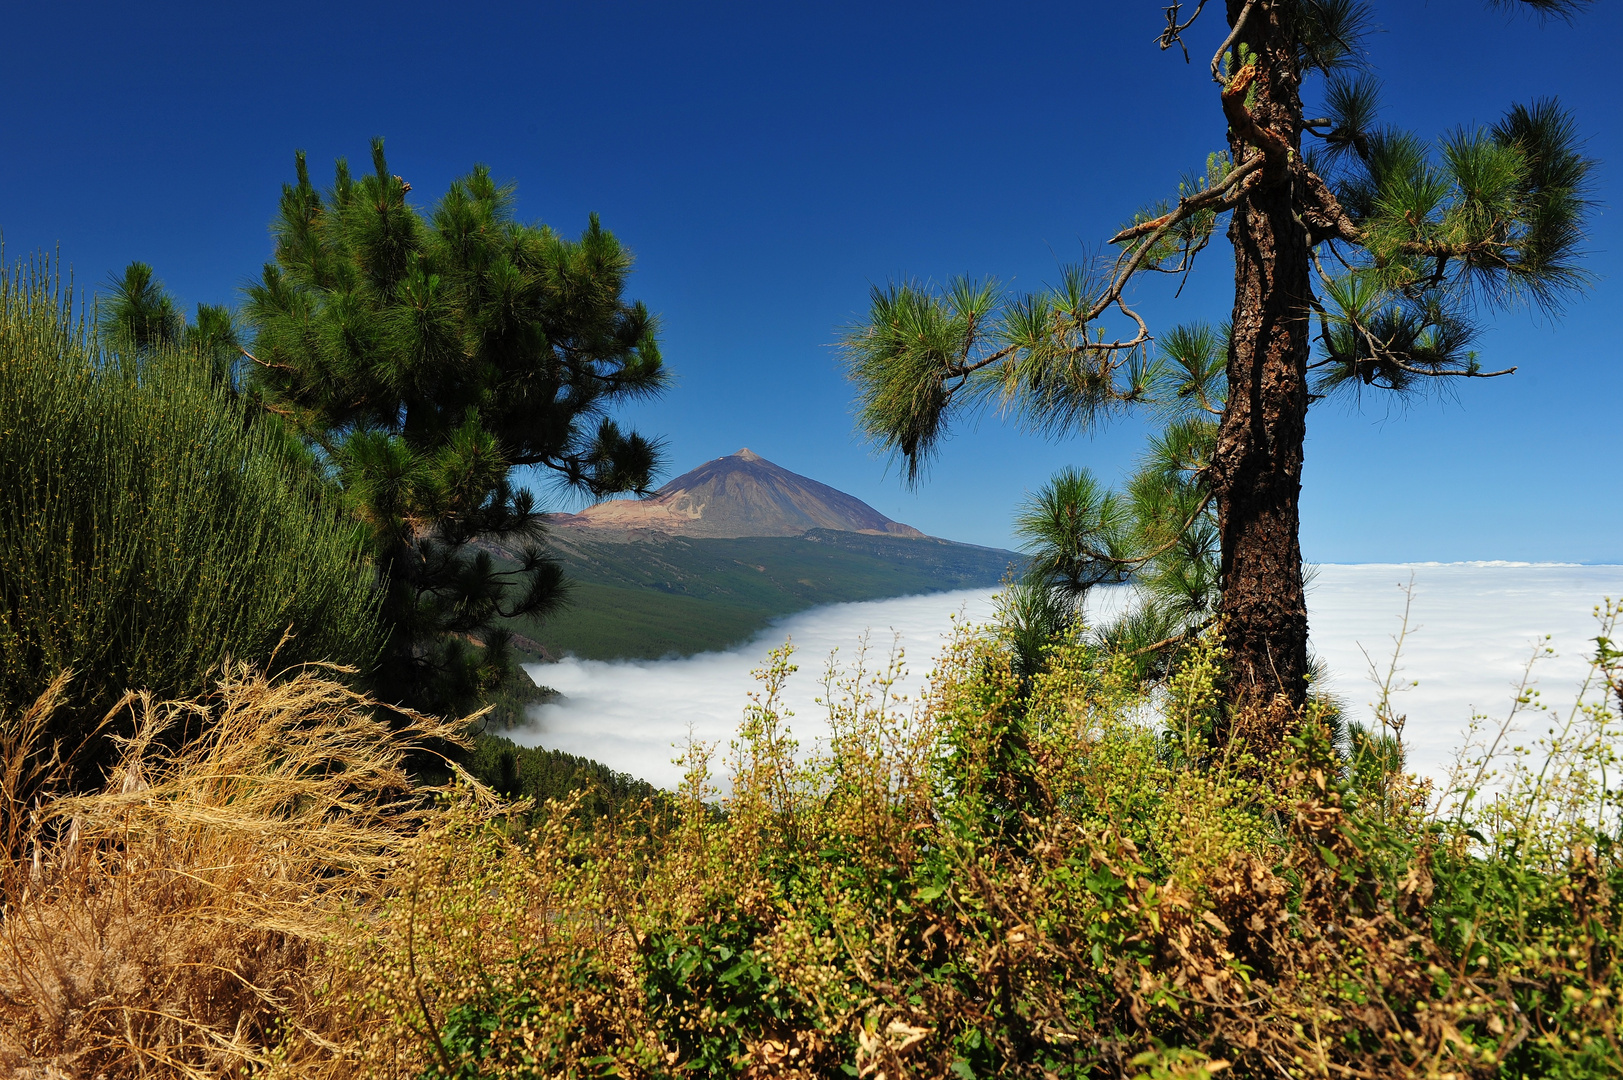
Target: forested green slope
662,595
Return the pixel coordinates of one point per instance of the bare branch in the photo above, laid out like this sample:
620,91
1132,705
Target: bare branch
1217,57
1132,260
1143,327
1173,640
1173,34
964,369
1170,544
263,364
1190,205
1323,214
1447,374
1313,301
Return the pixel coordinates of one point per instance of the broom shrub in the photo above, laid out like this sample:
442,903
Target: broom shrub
151,525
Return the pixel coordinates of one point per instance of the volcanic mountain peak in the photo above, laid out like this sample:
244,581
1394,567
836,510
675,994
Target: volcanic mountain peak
742,494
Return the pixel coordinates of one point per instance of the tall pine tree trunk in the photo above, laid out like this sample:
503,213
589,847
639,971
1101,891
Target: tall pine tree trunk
1257,470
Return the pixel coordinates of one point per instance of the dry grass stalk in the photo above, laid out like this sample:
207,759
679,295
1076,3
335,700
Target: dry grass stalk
171,926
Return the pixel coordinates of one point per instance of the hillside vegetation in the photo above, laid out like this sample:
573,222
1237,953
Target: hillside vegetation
1054,865
1055,875
661,595
152,525
260,602
156,526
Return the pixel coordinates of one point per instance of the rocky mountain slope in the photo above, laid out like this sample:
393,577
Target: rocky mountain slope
740,495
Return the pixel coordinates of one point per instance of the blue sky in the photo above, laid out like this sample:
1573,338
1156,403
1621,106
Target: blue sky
769,162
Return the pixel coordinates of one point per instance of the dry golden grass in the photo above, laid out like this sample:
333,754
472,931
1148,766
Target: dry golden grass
1014,878
173,924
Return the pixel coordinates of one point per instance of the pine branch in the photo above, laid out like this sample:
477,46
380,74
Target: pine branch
1213,198
1544,9
1140,560
1323,213
1274,146
1173,34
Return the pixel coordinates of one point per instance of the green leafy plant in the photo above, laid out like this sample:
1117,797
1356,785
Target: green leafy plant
153,528
1063,873
1054,875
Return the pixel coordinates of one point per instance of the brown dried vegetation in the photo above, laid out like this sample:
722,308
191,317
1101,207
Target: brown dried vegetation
1054,875
176,923
1013,880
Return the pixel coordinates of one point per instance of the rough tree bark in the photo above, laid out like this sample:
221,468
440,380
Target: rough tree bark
1257,469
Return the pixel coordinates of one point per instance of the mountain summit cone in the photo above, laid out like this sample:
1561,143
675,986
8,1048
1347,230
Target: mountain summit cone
742,494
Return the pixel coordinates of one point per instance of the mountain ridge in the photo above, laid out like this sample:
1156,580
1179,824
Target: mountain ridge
740,495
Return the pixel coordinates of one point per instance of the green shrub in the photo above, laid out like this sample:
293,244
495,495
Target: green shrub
1048,873
152,524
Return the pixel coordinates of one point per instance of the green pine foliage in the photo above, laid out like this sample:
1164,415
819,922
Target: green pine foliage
425,357
152,528
1160,534
682,595
540,775
139,314
1485,219
1410,243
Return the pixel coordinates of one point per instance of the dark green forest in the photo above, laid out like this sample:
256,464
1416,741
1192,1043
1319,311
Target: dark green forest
675,596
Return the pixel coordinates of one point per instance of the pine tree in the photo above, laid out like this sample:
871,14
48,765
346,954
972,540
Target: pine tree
1363,263
426,358
140,316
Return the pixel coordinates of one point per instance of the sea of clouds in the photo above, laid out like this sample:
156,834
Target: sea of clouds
1472,628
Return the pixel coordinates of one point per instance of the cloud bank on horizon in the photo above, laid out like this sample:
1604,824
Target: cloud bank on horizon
634,715
1472,629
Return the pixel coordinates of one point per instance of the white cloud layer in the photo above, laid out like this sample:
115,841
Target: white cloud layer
1472,628
631,714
